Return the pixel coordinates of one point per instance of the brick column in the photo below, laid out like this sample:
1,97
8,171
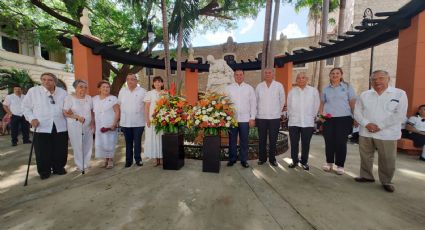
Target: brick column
87,66
191,85
411,62
284,75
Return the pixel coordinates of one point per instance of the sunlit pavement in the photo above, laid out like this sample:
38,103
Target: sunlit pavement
260,197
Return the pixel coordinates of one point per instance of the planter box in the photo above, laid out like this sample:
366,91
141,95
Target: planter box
211,154
172,151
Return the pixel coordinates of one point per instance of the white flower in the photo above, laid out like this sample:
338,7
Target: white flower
205,118
209,109
210,119
228,124
223,102
216,121
204,111
228,118
223,114
197,122
213,102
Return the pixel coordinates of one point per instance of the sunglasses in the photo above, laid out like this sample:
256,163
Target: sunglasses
52,101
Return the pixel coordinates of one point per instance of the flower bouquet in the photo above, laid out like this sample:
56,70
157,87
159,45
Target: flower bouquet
104,129
170,114
213,113
324,116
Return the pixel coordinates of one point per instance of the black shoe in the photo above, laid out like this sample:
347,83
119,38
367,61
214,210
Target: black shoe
421,158
274,163
305,167
127,165
245,164
14,144
44,176
230,163
61,171
261,162
388,187
363,180
139,163
27,142
292,165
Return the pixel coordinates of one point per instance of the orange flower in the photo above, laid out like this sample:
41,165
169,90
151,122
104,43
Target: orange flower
204,103
180,104
217,106
161,102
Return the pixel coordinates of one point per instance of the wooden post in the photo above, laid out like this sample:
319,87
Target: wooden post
284,75
411,62
191,85
87,66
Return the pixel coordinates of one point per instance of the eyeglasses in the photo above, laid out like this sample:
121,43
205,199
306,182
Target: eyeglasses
52,101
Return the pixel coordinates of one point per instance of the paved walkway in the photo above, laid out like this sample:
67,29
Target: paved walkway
260,197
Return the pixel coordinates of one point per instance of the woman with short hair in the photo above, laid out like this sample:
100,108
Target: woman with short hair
107,114
78,111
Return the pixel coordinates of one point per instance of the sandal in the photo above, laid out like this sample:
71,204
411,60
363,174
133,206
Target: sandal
327,167
110,164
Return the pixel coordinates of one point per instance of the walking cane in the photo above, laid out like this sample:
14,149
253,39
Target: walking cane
82,149
29,160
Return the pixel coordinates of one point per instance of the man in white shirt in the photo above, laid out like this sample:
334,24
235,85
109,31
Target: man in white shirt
380,112
270,102
303,106
132,120
243,98
43,107
12,106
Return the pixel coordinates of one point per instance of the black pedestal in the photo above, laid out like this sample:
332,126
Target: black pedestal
211,154
172,151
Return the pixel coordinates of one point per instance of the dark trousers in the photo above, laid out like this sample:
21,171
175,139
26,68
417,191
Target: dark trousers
268,128
295,133
133,143
335,132
243,131
15,123
51,151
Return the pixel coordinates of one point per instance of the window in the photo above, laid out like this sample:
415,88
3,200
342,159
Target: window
45,53
10,44
173,71
330,61
149,71
230,59
260,56
199,59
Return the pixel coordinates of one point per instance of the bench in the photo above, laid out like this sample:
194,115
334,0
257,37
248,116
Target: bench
406,145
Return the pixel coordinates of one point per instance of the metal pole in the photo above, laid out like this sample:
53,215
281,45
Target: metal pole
371,64
368,14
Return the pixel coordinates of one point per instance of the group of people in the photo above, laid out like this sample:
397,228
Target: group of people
379,113
57,117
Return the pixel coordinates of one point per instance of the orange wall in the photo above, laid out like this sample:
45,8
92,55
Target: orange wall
411,62
284,76
87,66
191,86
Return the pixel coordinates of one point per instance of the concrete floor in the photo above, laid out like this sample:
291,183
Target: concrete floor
260,197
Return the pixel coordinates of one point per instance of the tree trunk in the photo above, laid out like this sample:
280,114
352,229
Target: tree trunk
341,22
266,37
324,33
313,80
179,58
272,47
166,43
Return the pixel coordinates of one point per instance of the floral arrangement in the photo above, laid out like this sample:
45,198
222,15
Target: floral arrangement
213,113
324,116
170,114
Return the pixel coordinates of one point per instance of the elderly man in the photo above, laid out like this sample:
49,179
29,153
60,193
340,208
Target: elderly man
243,97
270,102
12,106
132,119
380,112
303,106
43,107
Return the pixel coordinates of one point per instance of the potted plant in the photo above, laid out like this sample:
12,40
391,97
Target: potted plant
170,116
212,114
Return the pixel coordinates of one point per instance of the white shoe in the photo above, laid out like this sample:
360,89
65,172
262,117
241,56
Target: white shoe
339,170
327,167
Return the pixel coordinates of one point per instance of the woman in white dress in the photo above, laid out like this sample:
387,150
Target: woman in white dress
153,144
78,111
107,114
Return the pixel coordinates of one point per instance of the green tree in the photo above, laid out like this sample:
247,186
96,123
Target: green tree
10,78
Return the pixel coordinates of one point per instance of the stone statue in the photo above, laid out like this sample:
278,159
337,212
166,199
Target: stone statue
191,52
86,22
220,75
285,41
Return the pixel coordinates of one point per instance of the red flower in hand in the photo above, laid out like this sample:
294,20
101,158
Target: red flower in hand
328,115
104,130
